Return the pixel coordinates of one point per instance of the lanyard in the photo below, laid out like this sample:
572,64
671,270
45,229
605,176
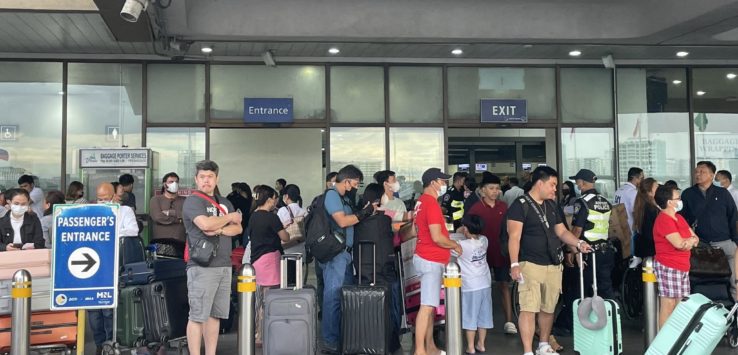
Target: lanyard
541,216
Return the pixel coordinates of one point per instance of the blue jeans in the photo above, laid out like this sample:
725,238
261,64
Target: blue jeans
336,273
101,322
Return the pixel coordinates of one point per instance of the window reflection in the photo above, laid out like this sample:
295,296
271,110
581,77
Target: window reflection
363,147
179,149
586,95
357,94
593,149
412,151
716,117
175,93
416,94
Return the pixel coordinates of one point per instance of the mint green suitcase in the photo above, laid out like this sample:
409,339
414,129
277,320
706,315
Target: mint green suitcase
606,340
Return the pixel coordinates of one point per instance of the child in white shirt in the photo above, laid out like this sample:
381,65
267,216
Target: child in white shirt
476,284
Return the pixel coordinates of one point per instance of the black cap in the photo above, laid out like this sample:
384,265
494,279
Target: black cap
433,174
586,175
490,179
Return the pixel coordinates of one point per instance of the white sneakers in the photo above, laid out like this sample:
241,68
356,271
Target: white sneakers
510,328
546,350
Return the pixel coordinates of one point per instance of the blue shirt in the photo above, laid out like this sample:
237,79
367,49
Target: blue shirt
334,203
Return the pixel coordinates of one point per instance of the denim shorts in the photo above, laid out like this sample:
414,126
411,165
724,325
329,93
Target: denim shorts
476,309
209,292
431,277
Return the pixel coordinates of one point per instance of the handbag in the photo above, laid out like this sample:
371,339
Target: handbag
204,250
708,262
296,229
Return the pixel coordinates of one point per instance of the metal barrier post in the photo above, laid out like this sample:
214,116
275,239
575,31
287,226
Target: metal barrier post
650,306
21,316
247,310
452,282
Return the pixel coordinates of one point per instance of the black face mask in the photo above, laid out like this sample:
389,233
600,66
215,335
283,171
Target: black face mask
351,194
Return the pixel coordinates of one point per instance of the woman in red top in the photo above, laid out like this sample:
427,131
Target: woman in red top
673,239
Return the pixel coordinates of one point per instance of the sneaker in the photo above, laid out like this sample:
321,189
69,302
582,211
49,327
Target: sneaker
510,328
546,350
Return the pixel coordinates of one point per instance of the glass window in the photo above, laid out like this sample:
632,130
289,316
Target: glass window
466,86
416,94
586,95
357,94
413,151
103,108
175,93
30,131
178,150
715,98
230,84
264,155
593,149
363,147
653,123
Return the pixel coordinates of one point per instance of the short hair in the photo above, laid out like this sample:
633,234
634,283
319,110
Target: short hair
634,172
543,173
349,172
513,181
293,192
332,175
282,182
708,164
126,179
726,174
115,186
372,192
671,183
264,192
74,188
26,179
168,175
460,175
663,195
245,188
470,183
206,165
53,197
10,193
473,223
383,176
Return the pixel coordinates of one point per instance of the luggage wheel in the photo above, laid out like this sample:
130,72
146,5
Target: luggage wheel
732,339
110,349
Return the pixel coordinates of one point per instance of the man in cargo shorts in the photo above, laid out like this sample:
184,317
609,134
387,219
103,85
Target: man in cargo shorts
209,286
535,227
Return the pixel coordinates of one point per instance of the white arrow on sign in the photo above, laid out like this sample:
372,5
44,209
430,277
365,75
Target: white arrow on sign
83,263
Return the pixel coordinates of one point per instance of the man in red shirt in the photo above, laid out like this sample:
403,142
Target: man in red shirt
492,212
432,253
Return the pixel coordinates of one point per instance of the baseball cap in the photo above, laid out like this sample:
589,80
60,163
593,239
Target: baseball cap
586,175
433,174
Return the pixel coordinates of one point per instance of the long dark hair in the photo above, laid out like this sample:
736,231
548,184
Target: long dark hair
53,197
73,190
264,192
642,200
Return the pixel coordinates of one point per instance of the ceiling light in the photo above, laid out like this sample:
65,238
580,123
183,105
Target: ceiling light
206,49
682,54
527,46
334,50
700,93
676,82
457,51
730,76
575,53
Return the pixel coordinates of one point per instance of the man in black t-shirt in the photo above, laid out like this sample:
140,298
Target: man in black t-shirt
536,230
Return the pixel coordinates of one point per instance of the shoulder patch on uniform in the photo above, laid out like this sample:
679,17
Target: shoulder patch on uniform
588,197
577,207
446,197
522,199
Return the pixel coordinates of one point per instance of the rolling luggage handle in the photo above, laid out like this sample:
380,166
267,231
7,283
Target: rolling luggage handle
297,257
374,263
592,304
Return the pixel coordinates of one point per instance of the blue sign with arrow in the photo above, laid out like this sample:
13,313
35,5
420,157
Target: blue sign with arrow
84,269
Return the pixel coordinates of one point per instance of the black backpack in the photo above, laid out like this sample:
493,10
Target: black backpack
321,241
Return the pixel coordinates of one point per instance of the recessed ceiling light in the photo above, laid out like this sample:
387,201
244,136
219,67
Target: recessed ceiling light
575,53
527,46
206,49
676,82
334,50
457,51
700,93
731,76
682,54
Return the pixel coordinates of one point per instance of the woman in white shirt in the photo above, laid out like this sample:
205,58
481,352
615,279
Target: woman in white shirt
292,216
20,229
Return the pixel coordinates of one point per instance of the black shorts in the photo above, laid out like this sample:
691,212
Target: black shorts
501,274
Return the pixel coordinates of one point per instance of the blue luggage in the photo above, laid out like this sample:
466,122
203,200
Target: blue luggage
694,328
596,334
145,272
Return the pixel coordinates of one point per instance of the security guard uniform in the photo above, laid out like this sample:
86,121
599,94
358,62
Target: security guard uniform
592,214
453,202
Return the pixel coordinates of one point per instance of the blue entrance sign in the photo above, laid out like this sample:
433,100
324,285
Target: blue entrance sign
267,110
84,268
503,111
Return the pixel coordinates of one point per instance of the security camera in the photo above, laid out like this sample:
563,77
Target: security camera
132,9
608,61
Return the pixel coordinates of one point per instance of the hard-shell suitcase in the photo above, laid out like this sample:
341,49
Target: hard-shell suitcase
47,328
694,328
39,301
291,313
365,322
166,309
131,250
145,272
591,336
130,327
36,261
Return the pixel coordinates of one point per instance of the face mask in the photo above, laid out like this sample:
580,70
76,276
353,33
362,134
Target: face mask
679,206
18,210
333,184
565,192
577,190
395,186
716,183
173,187
443,190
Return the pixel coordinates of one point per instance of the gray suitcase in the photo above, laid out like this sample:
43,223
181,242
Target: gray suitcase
40,298
290,313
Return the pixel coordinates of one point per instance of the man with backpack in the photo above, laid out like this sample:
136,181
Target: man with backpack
330,238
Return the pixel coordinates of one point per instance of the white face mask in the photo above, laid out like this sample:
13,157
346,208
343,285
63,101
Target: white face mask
18,210
173,187
443,190
679,206
395,186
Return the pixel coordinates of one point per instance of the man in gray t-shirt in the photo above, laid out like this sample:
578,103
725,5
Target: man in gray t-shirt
206,215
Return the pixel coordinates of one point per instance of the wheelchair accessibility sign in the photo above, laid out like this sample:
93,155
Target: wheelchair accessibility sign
85,257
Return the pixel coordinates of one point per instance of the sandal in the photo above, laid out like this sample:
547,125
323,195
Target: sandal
555,344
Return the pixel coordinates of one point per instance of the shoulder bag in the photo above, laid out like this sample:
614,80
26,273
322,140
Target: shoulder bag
203,250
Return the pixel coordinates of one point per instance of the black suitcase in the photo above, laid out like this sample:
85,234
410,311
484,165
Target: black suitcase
365,320
131,251
145,272
166,310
